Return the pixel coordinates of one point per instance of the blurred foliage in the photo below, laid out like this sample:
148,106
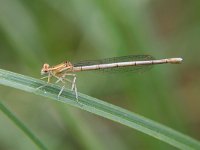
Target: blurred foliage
35,32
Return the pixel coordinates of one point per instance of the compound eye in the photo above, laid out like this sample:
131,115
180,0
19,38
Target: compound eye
46,66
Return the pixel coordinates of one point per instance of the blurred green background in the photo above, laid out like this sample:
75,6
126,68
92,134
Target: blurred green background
39,31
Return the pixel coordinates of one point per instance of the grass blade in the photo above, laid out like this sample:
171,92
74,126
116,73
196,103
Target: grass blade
100,108
21,125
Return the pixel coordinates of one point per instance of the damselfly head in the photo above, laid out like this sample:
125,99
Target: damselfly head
45,69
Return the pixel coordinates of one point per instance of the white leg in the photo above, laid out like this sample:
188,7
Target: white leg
60,79
49,75
74,87
73,82
44,77
61,91
75,90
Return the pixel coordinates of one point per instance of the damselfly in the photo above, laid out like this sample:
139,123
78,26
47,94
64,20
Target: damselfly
134,63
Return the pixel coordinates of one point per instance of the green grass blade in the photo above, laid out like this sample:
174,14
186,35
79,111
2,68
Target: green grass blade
21,125
100,108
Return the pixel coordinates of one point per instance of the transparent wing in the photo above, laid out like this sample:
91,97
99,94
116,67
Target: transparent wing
119,59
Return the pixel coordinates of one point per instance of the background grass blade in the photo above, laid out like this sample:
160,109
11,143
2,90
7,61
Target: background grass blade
100,108
21,125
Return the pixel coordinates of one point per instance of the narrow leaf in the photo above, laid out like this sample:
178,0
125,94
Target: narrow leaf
100,108
22,126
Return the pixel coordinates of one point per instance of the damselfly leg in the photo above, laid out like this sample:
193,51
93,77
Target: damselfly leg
73,83
63,79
